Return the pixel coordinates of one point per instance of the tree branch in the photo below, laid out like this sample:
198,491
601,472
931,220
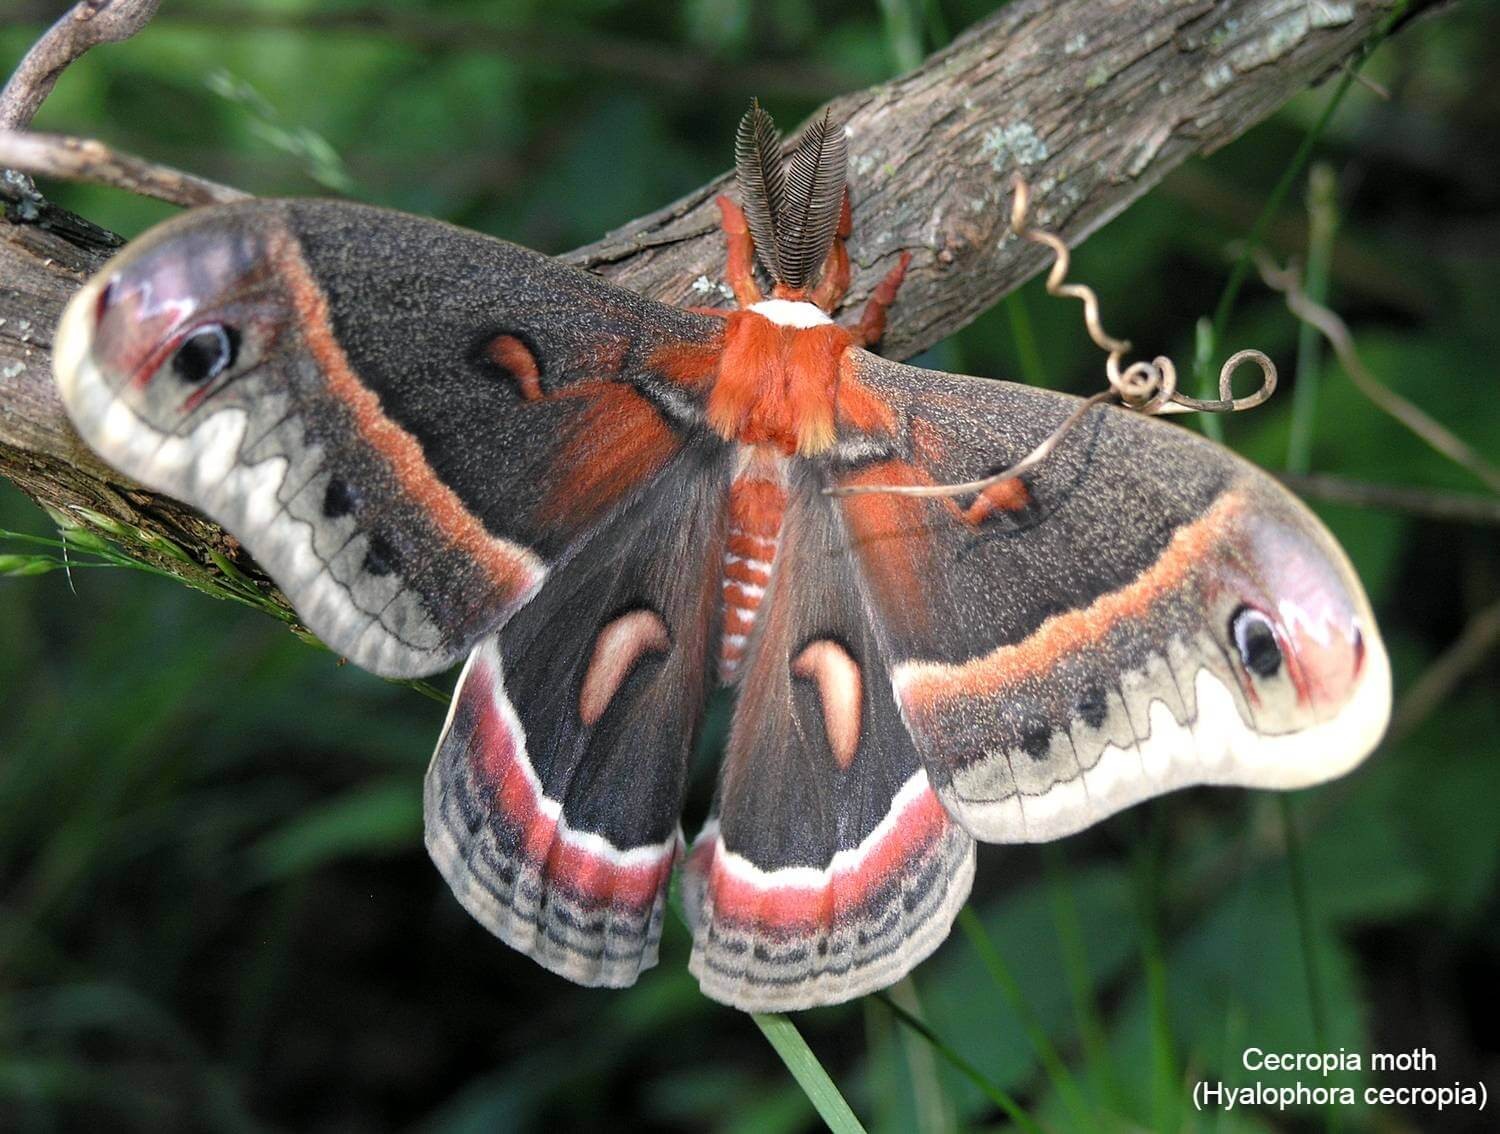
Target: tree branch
84,159
81,27
1093,100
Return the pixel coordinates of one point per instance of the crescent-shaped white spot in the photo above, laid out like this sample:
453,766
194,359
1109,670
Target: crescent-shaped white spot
616,650
836,674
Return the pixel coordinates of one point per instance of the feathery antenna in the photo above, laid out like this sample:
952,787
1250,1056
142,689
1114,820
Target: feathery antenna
757,161
814,193
792,212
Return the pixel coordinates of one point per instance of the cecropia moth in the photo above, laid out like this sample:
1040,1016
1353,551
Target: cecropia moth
442,446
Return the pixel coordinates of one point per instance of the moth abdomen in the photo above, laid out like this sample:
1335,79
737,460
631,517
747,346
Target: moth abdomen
756,506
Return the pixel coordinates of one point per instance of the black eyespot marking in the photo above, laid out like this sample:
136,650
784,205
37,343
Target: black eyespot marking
1255,639
1036,741
106,298
339,499
380,557
1093,707
206,353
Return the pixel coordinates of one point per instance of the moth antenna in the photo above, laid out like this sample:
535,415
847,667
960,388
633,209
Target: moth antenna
1146,387
814,195
762,181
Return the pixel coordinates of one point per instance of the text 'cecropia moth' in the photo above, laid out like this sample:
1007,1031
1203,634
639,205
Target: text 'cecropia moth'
442,446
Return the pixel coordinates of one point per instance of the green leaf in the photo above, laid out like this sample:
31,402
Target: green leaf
376,819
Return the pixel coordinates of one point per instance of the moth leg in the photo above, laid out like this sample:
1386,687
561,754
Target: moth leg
834,282
872,322
739,269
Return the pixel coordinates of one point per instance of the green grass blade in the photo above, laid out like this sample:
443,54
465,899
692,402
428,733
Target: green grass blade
1208,382
1322,227
886,1088
938,34
805,1068
1236,1015
1023,331
934,1110
1322,218
903,32
1080,988
996,1094
1302,909
1165,1078
1057,1072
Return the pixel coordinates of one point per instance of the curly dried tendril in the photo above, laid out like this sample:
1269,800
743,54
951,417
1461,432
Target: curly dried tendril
1145,387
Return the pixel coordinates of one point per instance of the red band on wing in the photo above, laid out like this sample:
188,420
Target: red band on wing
585,865
789,899
891,536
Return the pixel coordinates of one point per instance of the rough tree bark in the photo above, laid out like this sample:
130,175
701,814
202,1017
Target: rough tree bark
1094,101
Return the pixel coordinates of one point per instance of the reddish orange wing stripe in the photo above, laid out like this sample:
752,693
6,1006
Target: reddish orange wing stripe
591,877
763,903
859,407
616,442
692,365
514,569
891,535
928,686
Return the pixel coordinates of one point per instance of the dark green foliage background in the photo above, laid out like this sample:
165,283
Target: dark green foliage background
215,911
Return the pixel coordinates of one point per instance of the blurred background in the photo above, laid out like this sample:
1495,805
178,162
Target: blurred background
215,910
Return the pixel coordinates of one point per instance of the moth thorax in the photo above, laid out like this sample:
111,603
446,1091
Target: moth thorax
757,502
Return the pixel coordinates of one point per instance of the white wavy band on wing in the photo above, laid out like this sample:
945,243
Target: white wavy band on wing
1217,747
